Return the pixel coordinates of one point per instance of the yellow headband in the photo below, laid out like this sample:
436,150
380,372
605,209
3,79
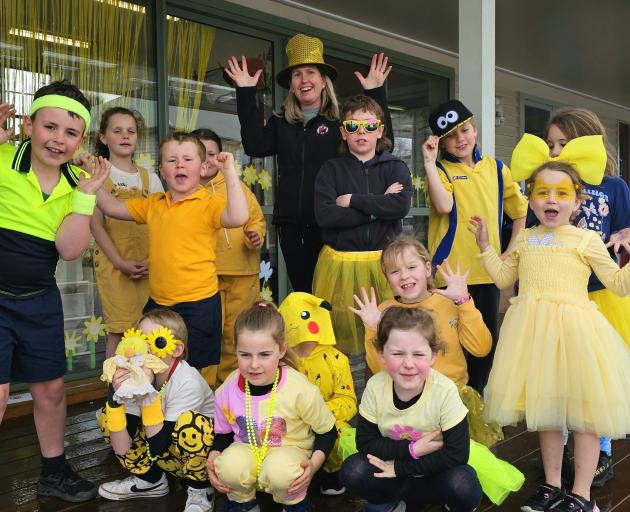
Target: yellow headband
162,342
587,155
59,101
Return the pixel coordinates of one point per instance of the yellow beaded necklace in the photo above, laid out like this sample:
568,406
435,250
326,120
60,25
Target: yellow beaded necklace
259,451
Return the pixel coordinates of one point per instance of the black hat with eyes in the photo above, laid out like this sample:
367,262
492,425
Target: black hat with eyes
448,116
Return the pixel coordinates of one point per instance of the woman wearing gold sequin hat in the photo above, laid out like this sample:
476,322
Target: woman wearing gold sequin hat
303,136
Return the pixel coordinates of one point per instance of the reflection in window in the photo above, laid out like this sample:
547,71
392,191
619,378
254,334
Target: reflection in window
46,40
201,95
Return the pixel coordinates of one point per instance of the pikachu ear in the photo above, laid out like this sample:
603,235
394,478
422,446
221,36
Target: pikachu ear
326,305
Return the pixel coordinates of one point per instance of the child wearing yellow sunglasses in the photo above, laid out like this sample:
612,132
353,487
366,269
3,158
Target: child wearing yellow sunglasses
360,200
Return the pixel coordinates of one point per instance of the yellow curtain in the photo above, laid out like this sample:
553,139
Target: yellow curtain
189,46
99,45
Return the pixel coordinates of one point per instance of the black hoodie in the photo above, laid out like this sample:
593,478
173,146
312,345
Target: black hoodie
300,150
373,217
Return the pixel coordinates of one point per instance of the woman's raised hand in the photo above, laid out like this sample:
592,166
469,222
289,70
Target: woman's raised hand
379,71
239,73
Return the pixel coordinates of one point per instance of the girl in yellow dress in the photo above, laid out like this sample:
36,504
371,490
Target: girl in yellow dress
559,363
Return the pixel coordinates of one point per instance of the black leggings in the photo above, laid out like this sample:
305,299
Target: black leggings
486,297
456,487
300,248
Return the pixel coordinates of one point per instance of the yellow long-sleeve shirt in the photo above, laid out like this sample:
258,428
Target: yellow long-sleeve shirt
457,327
235,254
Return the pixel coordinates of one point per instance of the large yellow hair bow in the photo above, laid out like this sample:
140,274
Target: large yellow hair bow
587,155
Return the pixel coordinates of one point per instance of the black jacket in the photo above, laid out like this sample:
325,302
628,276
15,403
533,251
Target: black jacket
300,149
373,217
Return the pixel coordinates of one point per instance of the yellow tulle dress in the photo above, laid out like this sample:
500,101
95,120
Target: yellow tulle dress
559,363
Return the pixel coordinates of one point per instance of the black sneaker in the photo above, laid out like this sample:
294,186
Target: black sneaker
330,484
574,503
567,475
546,498
66,485
604,471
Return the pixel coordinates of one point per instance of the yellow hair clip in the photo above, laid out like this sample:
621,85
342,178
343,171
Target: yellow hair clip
587,155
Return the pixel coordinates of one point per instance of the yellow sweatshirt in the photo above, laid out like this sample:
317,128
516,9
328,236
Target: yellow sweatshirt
235,255
457,327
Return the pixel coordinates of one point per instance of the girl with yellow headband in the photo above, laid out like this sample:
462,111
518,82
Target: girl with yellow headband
559,363
273,430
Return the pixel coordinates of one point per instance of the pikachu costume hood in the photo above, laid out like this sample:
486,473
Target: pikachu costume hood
307,318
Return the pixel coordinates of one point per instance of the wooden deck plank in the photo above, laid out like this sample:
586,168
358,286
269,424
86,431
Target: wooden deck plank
19,472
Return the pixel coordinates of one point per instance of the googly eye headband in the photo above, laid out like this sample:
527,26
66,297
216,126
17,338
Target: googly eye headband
162,342
448,116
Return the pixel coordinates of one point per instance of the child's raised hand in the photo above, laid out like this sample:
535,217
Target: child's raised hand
212,474
386,467
225,161
99,167
254,238
394,188
7,110
379,71
427,443
477,226
456,282
84,161
368,308
430,148
301,483
620,239
239,73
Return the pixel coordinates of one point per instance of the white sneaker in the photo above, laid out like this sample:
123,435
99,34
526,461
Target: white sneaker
133,487
200,500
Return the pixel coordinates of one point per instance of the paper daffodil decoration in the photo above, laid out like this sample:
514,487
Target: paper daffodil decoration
266,294
162,342
249,175
265,270
264,178
417,182
132,353
144,160
71,341
94,328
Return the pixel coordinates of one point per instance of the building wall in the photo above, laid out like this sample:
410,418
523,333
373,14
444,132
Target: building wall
511,86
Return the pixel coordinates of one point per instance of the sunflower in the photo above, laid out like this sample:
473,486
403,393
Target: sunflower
162,342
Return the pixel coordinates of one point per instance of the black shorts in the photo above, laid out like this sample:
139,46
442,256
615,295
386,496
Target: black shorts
31,338
204,322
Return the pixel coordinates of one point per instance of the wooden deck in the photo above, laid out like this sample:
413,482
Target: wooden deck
19,470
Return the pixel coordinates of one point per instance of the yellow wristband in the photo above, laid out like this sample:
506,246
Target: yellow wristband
152,414
116,418
83,203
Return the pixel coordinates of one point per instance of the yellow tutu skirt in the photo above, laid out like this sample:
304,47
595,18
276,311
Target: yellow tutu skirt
481,430
616,310
560,364
338,276
497,477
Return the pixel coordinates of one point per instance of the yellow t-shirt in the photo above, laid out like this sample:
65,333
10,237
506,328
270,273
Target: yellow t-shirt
438,408
299,411
457,327
475,192
181,244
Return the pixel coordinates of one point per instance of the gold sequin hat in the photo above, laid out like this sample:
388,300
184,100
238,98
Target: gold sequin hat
303,50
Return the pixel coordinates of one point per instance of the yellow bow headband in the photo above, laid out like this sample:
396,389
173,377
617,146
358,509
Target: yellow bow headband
587,155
